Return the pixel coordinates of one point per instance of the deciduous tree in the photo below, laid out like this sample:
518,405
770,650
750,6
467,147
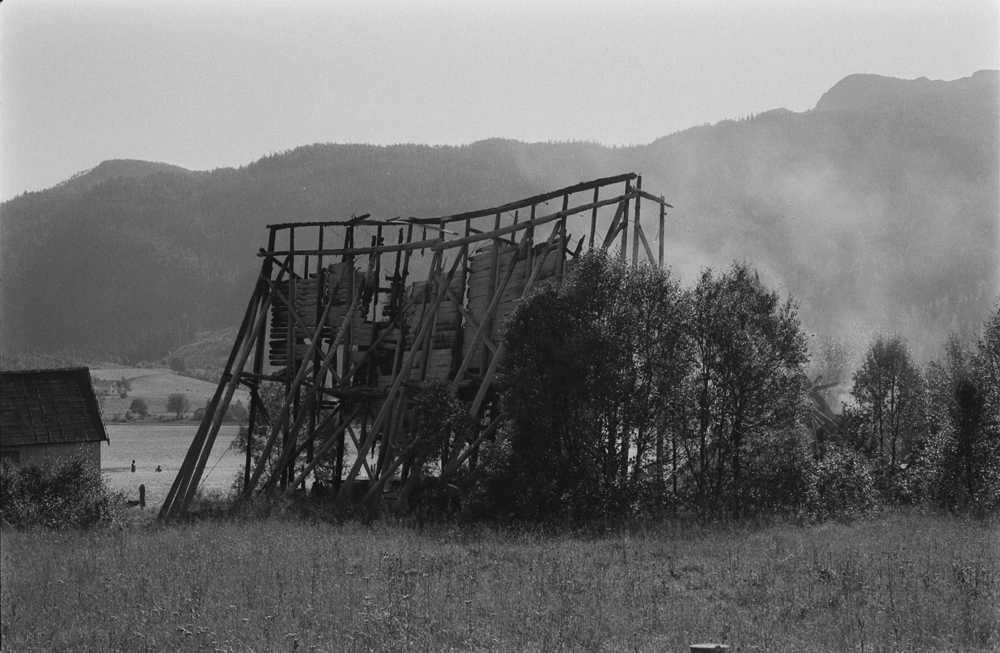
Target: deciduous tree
178,404
589,368
889,392
139,407
746,382
964,416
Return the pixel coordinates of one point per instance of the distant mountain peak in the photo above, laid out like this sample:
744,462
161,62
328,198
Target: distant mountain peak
876,93
116,169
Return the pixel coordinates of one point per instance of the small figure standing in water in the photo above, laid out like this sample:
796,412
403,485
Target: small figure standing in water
159,469
133,466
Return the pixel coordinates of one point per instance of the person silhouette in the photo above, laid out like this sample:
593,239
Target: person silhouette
133,466
159,469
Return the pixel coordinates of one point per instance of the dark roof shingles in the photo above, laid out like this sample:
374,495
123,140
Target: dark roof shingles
49,407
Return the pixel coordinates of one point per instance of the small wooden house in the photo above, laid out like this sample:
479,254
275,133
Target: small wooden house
49,413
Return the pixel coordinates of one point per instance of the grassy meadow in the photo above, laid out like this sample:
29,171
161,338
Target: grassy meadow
903,582
155,385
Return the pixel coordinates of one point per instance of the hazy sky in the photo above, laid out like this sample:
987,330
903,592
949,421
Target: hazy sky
223,82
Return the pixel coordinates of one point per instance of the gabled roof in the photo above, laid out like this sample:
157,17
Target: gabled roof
49,407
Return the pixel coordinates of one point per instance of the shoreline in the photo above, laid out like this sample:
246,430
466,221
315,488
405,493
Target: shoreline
178,422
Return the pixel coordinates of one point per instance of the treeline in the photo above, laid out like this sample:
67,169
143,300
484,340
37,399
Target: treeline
628,395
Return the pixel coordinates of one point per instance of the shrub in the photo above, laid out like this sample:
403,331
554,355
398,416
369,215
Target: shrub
178,404
440,426
779,474
139,407
842,485
67,493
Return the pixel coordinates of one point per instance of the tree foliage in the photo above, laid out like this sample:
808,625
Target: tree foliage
964,416
139,407
589,368
745,383
65,493
622,388
889,392
178,404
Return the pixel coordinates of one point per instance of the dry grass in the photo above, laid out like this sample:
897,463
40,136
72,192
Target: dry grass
904,582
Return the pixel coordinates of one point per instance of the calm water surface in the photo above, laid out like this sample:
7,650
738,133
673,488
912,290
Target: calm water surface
150,445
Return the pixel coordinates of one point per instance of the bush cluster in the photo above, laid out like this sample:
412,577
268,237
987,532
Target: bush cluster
68,493
626,395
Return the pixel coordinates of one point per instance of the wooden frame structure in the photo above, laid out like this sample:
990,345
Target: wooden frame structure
348,372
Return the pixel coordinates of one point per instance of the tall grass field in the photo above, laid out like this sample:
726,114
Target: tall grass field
903,582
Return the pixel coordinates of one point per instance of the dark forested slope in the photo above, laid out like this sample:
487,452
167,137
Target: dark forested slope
879,208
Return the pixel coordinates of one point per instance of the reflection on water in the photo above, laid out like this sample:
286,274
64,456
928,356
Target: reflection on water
163,445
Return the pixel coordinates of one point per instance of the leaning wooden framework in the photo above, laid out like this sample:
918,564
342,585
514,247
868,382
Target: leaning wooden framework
351,339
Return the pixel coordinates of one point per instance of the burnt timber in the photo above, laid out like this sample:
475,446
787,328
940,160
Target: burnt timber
337,320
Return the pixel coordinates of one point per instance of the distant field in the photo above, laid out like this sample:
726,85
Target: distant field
155,386
900,583
164,445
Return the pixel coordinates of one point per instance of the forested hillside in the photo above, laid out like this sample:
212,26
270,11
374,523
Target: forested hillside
877,209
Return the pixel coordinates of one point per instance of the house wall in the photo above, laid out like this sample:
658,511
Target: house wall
41,454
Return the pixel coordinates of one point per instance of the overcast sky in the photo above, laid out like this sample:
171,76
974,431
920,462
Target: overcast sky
219,83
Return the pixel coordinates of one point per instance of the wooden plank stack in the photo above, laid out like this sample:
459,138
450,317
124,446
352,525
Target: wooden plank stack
484,282
437,362
304,299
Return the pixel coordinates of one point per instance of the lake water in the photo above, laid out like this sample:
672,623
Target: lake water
166,445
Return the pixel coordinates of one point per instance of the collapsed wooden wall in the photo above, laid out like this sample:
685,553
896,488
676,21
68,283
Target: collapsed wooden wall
351,337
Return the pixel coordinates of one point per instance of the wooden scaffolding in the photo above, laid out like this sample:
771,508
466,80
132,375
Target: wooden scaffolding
350,339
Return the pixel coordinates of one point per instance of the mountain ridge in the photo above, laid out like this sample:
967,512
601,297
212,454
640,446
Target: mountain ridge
874,93
884,219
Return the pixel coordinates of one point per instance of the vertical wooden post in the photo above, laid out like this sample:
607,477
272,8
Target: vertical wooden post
345,348
456,349
593,217
290,342
396,288
636,227
531,242
425,355
318,380
338,470
352,284
622,254
378,277
561,226
389,431
491,288
663,210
